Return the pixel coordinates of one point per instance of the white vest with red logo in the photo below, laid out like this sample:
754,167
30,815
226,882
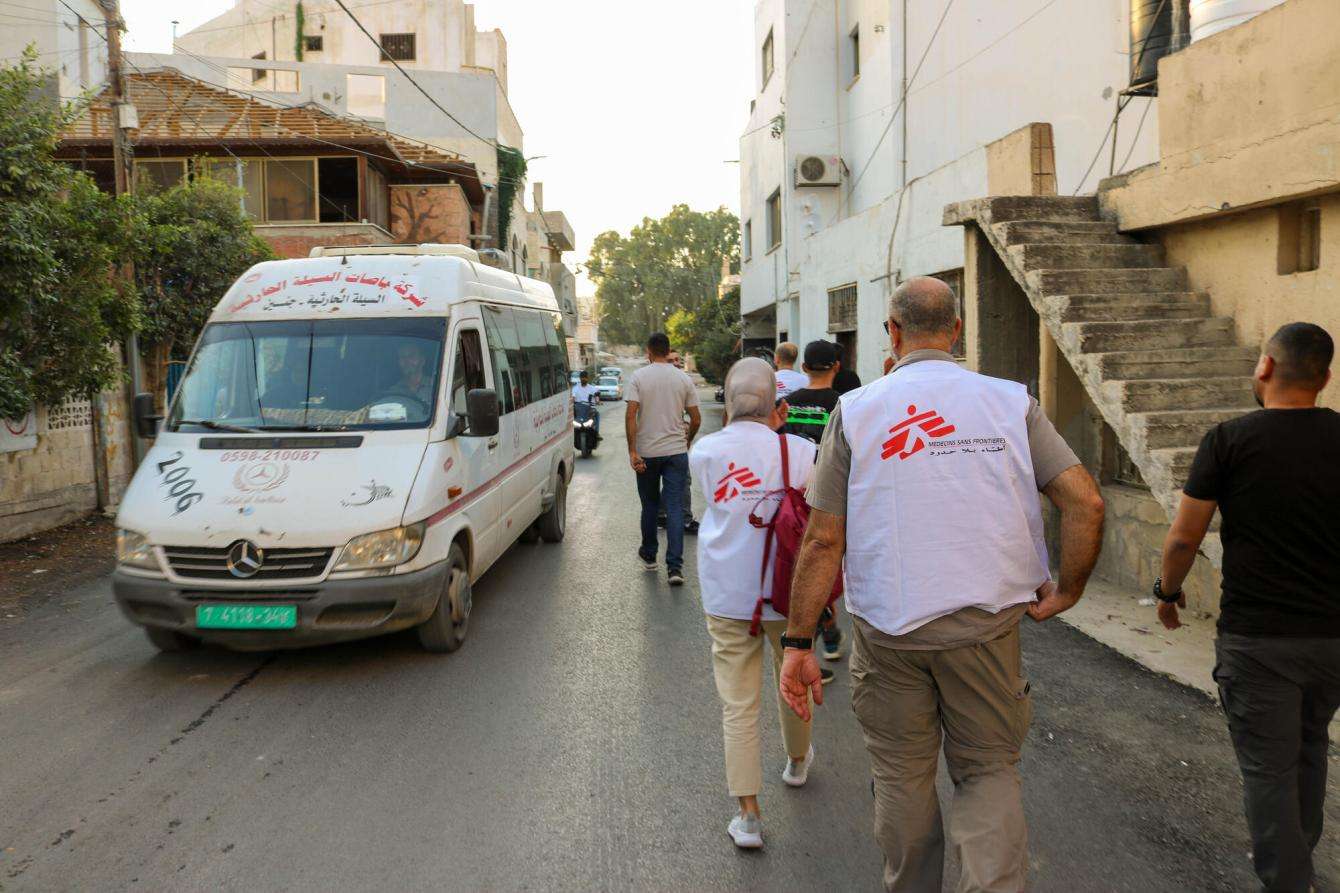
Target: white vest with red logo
735,468
942,504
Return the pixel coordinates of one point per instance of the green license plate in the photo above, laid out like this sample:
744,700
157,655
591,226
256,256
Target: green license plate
246,616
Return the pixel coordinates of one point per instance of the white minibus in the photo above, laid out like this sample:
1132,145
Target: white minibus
357,437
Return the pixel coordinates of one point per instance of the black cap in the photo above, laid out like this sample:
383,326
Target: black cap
821,355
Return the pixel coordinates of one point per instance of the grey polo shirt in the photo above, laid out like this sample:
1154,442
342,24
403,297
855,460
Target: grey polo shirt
1051,455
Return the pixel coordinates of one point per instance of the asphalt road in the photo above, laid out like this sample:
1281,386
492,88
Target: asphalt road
572,744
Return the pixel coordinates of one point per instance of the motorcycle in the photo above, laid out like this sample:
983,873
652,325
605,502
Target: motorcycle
584,435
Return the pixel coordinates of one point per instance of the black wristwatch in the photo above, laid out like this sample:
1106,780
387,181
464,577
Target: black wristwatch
803,643
1166,598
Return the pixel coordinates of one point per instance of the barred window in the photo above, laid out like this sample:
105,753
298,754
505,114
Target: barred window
954,279
399,47
312,43
842,308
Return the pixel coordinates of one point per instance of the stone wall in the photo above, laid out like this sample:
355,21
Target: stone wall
56,481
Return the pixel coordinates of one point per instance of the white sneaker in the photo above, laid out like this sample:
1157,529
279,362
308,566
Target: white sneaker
798,771
746,831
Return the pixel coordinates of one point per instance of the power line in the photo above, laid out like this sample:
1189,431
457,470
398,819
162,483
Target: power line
400,68
1149,103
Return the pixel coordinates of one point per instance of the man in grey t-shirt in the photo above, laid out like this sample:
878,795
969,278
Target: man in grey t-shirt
658,397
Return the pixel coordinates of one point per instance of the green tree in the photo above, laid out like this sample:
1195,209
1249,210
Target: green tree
662,266
189,243
61,307
714,338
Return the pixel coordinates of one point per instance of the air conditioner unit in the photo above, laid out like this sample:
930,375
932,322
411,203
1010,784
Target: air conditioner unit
818,170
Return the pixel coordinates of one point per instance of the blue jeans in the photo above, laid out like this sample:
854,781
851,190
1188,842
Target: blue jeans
673,471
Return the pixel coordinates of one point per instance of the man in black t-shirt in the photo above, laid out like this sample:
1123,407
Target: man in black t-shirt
812,404
1274,475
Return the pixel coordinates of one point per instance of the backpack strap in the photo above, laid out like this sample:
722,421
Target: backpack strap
786,462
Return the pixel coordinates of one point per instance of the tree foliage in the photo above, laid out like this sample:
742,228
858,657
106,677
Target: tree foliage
712,334
191,242
61,307
665,265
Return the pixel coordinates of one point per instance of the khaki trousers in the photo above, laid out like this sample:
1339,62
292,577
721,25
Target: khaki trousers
976,699
737,663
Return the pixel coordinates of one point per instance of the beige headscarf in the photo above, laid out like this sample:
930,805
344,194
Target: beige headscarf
751,391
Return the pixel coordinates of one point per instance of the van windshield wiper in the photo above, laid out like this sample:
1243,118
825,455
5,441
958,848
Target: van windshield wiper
218,426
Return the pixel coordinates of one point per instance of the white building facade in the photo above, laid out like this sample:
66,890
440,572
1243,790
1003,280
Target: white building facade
67,37
823,242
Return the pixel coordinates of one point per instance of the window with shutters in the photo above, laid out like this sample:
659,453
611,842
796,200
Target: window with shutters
399,47
775,219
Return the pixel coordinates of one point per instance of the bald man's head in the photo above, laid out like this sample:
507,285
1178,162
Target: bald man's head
924,307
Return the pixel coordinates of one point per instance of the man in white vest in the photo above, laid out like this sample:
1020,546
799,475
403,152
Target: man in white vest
927,483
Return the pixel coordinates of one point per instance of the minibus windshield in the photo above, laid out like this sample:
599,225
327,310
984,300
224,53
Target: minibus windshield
312,375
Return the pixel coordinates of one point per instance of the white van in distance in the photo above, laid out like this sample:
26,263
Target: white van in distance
358,436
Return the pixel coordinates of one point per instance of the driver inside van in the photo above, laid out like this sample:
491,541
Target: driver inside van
287,385
415,378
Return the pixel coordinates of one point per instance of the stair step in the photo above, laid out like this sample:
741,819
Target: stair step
1111,281
1044,256
1180,428
1108,312
1192,362
1176,459
1147,334
1153,394
1078,232
1042,207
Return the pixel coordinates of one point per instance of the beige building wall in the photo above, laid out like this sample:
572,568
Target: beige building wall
1235,259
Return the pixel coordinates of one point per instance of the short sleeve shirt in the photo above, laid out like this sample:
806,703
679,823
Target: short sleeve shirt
585,393
1275,475
663,394
1051,455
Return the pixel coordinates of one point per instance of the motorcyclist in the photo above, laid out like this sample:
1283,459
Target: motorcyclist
586,393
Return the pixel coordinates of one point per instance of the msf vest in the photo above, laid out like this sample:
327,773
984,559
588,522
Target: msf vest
942,505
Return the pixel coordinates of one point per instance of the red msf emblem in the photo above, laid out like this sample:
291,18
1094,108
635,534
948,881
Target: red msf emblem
930,423
735,478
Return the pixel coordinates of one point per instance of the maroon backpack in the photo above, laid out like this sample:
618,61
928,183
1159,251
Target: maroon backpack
786,529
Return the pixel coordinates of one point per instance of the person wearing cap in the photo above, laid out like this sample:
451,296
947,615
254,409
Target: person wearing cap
926,497
807,416
737,467
788,379
811,405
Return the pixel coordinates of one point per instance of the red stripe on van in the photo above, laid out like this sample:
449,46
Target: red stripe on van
455,505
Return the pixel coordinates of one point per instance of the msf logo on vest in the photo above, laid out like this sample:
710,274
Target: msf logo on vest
734,482
915,430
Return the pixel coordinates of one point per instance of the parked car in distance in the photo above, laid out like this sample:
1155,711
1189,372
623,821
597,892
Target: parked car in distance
613,371
720,395
575,378
609,388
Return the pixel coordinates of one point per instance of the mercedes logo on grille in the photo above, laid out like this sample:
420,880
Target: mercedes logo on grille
244,559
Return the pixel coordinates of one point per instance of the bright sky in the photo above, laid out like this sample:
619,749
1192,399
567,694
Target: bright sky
638,105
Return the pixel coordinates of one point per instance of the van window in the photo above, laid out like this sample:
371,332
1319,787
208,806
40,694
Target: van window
296,375
558,354
468,369
537,383
504,348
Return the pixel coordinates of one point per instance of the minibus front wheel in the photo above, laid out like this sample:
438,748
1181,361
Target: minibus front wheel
445,629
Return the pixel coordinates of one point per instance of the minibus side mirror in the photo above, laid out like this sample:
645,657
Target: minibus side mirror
481,408
146,420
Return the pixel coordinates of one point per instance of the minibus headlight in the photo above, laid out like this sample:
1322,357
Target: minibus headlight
133,550
385,548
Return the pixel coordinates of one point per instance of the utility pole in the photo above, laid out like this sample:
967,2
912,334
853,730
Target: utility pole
123,117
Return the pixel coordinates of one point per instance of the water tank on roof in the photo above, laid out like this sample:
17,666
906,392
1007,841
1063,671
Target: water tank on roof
1212,16
1152,38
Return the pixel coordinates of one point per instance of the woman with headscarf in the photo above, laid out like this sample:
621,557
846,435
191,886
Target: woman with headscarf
737,467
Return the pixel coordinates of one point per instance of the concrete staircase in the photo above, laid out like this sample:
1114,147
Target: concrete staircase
1158,366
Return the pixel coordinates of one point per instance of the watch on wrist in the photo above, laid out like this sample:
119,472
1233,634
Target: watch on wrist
804,643
1165,597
